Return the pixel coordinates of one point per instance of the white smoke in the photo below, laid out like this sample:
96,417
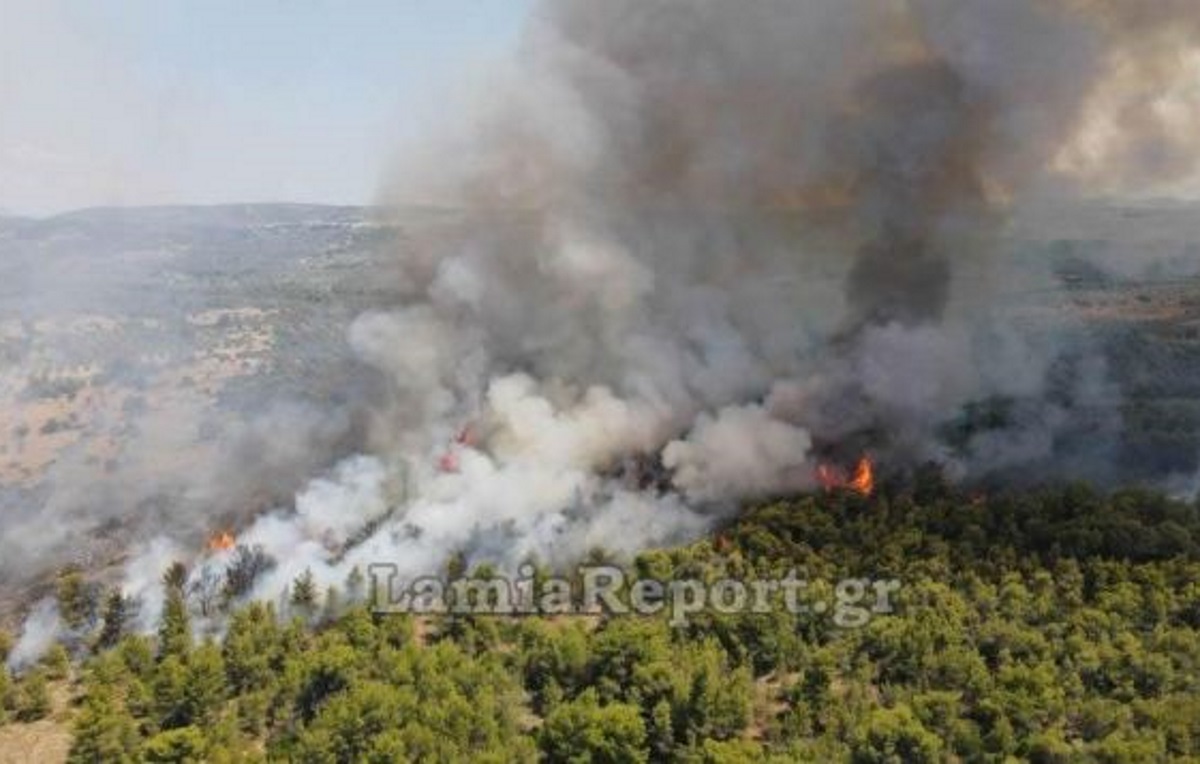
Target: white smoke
737,454
143,579
640,323
41,628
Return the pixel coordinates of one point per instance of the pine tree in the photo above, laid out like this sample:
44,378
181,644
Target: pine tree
76,598
248,564
57,662
304,593
252,647
185,744
456,565
32,701
6,645
175,629
205,591
333,605
584,730
169,681
204,689
175,576
116,612
104,731
355,586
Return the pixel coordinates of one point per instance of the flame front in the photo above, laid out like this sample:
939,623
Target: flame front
861,481
221,542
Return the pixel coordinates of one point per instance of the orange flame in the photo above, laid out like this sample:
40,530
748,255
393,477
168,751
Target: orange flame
466,437
861,481
448,462
221,542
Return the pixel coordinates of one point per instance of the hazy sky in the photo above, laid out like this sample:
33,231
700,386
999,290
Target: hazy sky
163,101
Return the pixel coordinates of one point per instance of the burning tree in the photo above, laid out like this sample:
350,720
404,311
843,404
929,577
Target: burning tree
860,481
248,563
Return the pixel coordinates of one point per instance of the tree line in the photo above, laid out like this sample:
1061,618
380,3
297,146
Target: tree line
1056,625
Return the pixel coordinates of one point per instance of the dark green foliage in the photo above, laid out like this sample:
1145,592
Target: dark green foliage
169,684
174,629
894,736
6,645
304,594
77,598
1055,626
174,632
184,745
57,663
31,697
104,731
252,648
583,730
356,588
205,686
117,610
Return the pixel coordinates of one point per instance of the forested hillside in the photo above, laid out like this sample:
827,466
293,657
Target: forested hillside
1059,625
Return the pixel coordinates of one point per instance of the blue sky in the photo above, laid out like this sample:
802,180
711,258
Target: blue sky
167,101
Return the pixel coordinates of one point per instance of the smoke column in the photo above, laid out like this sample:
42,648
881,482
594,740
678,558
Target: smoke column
702,240
634,280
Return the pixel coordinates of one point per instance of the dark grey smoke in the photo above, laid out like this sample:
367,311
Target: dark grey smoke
714,237
680,132
897,114
916,139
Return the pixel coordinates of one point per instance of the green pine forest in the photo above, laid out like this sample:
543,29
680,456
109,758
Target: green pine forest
1051,625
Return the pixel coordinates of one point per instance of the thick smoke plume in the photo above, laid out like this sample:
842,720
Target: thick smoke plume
669,157
638,326
706,243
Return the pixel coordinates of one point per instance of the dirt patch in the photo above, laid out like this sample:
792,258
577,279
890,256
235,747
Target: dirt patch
46,741
42,742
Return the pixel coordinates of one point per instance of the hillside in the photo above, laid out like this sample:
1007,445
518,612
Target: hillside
190,366
1061,625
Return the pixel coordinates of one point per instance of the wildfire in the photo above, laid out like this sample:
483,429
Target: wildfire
861,481
221,542
448,462
465,438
